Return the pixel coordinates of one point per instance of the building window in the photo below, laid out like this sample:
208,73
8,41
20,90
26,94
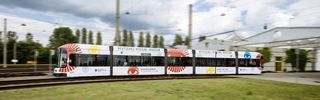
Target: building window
207,44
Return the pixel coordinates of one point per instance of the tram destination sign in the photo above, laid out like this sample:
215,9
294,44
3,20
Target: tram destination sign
145,54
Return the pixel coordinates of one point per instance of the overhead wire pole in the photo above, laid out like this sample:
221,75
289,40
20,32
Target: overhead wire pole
35,60
50,60
117,36
190,25
15,50
5,43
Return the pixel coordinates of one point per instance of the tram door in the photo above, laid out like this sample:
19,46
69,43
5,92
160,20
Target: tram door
278,64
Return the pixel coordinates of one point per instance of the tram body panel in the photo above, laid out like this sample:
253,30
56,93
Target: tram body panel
205,70
180,70
249,63
249,70
138,61
95,60
225,70
134,70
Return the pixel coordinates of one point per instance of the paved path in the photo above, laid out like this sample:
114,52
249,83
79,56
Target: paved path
310,78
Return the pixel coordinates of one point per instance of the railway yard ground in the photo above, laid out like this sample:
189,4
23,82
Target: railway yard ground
245,87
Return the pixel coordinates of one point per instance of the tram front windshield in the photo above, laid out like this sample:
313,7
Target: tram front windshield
62,58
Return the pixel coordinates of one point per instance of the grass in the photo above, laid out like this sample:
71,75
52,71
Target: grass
207,89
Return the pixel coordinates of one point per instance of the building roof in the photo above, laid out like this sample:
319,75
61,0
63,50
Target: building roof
284,36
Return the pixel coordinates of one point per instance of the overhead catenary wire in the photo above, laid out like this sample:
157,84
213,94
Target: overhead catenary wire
130,8
207,36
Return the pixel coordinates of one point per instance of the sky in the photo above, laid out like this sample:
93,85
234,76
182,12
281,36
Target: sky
162,17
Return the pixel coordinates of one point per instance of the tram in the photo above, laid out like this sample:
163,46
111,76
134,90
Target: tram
79,60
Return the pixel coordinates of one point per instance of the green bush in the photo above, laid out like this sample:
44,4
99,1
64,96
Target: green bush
291,58
266,53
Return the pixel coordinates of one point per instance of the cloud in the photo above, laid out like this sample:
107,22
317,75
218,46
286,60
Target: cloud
306,13
105,10
42,30
14,24
169,17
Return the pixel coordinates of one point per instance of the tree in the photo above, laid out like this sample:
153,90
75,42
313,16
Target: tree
26,49
266,53
155,41
131,39
99,39
43,57
291,58
187,41
201,38
29,37
125,38
178,40
90,37
84,36
141,40
148,40
78,35
12,35
61,36
161,44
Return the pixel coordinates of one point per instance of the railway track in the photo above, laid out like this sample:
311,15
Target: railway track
32,83
21,74
29,69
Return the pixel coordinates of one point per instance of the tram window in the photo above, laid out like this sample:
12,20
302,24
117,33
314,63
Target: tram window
119,60
211,62
133,60
186,61
242,63
253,63
146,60
83,60
92,60
138,61
231,62
62,58
201,62
180,61
172,61
205,62
249,62
157,61
221,62
72,58
258,62
102,60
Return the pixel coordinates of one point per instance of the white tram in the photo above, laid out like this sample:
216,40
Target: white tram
75,60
